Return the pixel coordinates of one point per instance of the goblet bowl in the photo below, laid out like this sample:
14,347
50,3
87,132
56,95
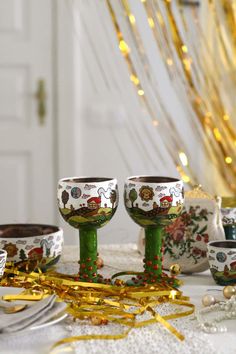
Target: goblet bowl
153,202
87,203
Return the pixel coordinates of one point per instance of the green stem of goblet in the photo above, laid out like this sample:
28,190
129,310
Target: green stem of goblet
153,253
88,255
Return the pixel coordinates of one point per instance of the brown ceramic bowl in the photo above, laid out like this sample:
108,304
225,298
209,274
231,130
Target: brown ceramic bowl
37,245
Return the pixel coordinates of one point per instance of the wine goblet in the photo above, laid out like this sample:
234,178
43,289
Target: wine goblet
88,203
153,202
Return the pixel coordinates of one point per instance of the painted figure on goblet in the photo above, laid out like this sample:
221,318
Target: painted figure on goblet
153,203
88,203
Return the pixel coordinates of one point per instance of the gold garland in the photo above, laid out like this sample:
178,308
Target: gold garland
209,110
105,303
188,176
193,70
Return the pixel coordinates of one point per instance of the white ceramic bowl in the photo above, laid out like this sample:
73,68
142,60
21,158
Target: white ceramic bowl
37,243
222,260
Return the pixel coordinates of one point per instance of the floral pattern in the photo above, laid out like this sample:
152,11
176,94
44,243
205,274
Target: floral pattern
36,254
188,236
11,249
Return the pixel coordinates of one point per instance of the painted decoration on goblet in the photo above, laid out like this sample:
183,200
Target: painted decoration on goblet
153,203
88,203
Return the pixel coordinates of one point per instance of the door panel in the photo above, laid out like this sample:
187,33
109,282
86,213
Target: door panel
14,18
15,187
27,161
14,85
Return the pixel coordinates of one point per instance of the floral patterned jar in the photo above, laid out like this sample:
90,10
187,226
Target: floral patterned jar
186,239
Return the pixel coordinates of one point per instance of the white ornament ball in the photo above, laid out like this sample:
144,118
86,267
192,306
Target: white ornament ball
208,300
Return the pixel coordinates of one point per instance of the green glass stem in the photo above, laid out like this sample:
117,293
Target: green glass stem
153,253
88,254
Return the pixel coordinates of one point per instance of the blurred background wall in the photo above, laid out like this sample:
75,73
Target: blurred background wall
94,124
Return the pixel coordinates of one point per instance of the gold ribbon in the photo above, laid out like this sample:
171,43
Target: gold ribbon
91,336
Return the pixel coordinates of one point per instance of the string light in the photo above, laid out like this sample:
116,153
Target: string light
132,19
217,134
184,48
185,178
228,160
151,22
140,92
183,158
134,79
124,48
187,63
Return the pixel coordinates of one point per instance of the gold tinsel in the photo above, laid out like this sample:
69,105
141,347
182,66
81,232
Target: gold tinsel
109,303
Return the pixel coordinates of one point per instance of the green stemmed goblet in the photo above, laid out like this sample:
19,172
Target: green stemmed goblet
88,203
153,203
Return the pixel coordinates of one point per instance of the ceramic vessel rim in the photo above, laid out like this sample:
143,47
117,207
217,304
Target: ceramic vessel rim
59,230
87,179
228,202
135,179
219,242
3,252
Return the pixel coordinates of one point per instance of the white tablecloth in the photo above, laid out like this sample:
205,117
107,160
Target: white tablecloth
151,339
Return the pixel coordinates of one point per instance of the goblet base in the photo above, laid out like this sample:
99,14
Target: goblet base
143,279
163,280
98,279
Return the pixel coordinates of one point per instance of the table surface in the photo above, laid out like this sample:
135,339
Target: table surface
116,258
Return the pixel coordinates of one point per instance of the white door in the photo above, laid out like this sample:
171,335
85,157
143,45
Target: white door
27,182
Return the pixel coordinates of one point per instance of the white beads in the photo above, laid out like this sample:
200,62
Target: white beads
228,308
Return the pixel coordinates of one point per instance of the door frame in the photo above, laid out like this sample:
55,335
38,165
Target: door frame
64,78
